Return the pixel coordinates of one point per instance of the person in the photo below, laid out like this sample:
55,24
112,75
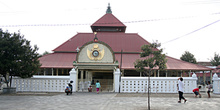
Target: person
67,90
180,90
209,86
90,89
97,86
196,91
0,84
71,88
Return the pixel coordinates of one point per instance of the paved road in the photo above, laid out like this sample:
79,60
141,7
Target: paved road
105,101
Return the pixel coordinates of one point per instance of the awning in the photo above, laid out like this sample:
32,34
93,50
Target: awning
172,63
65,60
58,60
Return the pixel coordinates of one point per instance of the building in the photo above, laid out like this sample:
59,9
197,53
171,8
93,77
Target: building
207,74
95,56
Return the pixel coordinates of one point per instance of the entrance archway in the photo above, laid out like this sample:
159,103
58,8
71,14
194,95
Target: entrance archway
89,77
95,61
105,79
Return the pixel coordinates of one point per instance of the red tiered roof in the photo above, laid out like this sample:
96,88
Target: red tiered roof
130,43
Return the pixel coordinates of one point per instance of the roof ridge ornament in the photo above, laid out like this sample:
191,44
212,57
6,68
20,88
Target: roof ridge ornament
95,39
109,9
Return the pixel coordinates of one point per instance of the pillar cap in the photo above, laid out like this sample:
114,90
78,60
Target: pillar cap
215,76
194,75
72,71
117,72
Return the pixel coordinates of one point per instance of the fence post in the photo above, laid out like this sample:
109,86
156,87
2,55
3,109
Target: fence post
73,77
215,83
117,76
194,81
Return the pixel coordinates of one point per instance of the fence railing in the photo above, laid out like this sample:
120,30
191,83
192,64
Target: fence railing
41,83
157,84
127,85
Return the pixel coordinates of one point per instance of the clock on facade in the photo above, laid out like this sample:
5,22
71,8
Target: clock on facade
95,53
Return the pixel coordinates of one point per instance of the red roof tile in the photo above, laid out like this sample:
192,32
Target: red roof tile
108,20
58,60
172,63
128,42
65,60
176,64
216,71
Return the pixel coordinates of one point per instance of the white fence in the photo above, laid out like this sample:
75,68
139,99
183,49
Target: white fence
157,84
41,84
128,84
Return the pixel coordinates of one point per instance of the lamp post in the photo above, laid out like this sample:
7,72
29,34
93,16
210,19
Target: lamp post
120,72
77,50
149,89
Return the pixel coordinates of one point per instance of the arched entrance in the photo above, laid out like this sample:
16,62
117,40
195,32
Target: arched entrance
104,77
95,61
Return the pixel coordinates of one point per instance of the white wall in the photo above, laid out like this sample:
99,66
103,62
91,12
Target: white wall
157,84
41,83
128,84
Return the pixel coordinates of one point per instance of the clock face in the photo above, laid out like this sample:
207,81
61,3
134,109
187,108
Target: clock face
95,53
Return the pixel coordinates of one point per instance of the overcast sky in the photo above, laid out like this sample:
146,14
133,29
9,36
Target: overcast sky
180,25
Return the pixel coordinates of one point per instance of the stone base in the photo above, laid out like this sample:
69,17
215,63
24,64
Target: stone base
9,90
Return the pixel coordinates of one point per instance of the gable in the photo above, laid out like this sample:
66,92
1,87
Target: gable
95,52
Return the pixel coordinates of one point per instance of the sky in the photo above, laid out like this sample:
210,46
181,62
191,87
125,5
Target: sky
179,25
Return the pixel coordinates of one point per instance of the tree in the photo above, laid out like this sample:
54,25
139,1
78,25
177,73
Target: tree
45,53
216,60
188,57
18,58
153,57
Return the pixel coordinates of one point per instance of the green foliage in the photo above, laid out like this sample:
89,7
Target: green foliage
216,60
153,58
45,53
17,56
188,57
